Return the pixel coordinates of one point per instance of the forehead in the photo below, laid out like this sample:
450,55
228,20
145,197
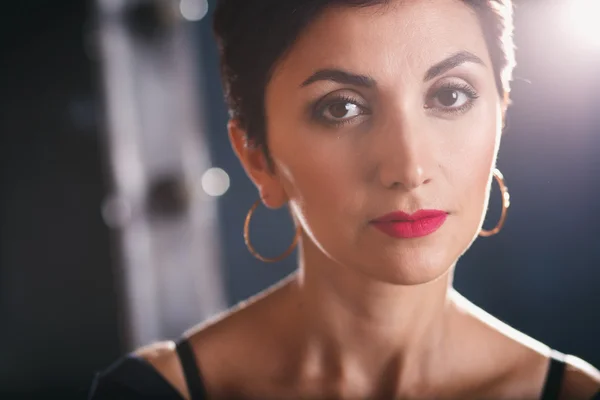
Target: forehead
379,40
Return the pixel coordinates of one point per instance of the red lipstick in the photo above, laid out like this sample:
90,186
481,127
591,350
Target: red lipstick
405,226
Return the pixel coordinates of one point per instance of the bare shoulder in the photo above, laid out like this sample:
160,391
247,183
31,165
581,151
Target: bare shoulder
524,362
220,345
156,351
519,363
216,345
227,345
162,356
581,379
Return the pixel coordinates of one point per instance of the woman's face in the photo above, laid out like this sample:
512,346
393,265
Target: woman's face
383,109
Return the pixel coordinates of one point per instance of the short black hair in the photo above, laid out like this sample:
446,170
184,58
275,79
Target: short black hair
253,35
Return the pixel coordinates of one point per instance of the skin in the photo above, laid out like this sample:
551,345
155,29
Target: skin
368,315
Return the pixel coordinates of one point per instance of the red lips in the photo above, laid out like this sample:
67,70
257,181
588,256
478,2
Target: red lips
402,225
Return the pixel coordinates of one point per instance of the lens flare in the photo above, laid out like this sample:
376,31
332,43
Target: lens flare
583,20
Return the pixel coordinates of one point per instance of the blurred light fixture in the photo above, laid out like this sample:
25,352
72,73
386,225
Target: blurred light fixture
193,10
583,20
215,182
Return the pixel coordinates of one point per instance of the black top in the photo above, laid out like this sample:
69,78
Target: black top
133,378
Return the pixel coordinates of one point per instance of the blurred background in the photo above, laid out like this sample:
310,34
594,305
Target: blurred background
122,204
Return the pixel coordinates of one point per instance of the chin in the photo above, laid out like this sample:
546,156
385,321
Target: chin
411,269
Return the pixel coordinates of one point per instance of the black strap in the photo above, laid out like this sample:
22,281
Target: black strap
191,371
554,377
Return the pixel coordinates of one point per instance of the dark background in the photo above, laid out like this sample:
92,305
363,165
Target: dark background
58,298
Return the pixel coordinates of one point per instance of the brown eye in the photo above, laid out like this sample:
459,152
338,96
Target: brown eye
452,98
339,109
342,110
448,97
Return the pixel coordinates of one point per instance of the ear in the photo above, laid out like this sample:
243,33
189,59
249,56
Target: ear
256,166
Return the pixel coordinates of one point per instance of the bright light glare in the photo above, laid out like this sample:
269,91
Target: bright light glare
215,182
583,20
193,10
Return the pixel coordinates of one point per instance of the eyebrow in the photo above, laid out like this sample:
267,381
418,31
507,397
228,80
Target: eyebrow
451,62
340,76
348,78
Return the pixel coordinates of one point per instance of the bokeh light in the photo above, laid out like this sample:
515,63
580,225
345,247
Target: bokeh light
215,182
193,10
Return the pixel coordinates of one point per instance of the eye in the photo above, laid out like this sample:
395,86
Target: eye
452,98
342,110
338,109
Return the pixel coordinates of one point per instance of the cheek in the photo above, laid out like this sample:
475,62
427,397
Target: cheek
319,177
319,169
472,163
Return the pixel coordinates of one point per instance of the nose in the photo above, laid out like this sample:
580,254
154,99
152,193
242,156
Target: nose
405,154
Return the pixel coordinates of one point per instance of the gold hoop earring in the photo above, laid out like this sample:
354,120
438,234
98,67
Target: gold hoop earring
505,204
251,248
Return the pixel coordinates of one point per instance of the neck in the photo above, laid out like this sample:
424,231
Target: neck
361,327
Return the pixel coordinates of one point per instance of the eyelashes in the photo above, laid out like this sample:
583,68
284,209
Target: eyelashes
452,93
339,110
448,99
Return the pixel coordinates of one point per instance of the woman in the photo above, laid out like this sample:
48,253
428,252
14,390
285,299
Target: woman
378,124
